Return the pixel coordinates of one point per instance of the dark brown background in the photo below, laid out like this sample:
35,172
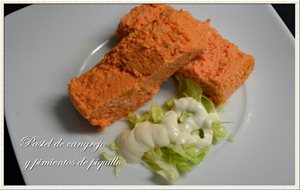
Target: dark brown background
12,173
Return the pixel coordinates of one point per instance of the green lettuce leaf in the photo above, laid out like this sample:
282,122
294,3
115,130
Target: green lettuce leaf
172,157
188,88
134,119
219,131
170,103
184,115
230,138
119,167
190,152
208,104
113,146
154,161
156,113
172,160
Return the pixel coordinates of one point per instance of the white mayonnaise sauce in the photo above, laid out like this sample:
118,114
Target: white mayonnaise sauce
146,135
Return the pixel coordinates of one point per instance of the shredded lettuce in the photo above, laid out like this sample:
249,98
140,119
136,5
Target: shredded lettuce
199,132
153,160
156,113
188,88
184,115
230,138
208,104
170,103
170,161
133,119
173,160
112,146
219,131
119,167
190,152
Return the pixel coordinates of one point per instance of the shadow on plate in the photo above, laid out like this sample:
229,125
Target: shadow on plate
159,180
112,42
70,119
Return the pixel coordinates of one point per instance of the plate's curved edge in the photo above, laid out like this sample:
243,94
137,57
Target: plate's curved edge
19,11
284,27
14,145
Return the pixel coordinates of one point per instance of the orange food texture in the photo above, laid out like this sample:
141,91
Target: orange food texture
220,69
131,73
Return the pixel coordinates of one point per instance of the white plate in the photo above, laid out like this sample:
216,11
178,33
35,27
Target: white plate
47,45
